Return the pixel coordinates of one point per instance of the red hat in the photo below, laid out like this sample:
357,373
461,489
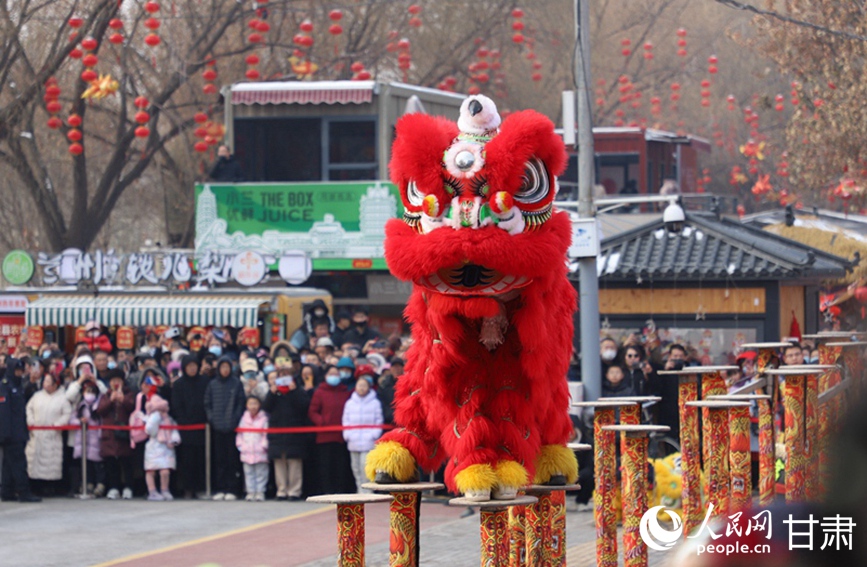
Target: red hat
365,370
747,355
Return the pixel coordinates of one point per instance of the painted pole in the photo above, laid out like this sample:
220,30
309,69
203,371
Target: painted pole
690,450
494,527
350,524
404,511
517,537
605,476
634,483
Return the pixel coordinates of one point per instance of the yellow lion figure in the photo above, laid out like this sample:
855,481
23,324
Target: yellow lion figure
669,484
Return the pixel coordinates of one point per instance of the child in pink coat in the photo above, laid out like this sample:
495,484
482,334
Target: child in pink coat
254,449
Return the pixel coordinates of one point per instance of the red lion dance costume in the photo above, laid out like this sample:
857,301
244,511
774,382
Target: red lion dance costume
491,307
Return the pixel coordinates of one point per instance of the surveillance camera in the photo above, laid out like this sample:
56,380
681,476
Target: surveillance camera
673,217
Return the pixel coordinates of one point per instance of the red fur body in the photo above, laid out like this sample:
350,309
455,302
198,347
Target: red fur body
458,399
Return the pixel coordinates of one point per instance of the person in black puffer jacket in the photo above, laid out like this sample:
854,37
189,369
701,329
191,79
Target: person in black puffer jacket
224,406
287,406
14,434
188,408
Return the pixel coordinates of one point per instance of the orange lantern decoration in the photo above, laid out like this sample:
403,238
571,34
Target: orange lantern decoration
125,338
249,336
35,336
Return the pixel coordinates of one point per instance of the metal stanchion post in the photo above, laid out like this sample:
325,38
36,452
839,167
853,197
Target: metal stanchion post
84,493
208,459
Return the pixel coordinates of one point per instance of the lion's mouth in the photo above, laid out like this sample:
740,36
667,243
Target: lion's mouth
472,279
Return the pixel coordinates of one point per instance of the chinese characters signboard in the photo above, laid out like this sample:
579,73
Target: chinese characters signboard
337,225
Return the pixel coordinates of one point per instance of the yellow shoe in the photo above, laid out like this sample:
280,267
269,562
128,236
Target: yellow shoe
476,482
390,462
556,461
510,477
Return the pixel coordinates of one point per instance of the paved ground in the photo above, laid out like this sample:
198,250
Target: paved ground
72,533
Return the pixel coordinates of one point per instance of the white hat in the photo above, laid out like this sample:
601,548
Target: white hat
91,325
324,341
377,361
83,359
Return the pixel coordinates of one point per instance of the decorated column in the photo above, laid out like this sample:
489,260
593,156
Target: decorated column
494,526
634,483
605,475
404,519
350,524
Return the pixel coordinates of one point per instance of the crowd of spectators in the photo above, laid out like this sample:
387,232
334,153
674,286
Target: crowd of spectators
333,371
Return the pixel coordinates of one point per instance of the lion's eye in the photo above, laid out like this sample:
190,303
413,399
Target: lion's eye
535,183
413,195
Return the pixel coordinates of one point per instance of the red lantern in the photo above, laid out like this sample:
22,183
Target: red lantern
517,13
142,132
90,60
209,74
681,43
74,120
152,39
307,41
306,26
483,77
75,22
861,294
200,132
89,43
705,102
335,15
263,27
253,24
76,149
116,38
518,38
681,32
152,24
115,24
54,123
712,69
536,76
415,22
335,29
75,53
537,65
363,76
151,7
675,86
254,37
779,107
209,88
89,75
200,118
705,84
252,59
142,117
518,26
705,93
414,9
141,102
252,74
74,135
200,147
712,60
648,46
52,91
357,67
648,55
53,107
275,320
403,43
681,52
626,52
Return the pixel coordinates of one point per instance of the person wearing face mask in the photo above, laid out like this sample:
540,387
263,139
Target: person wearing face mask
187,407
44,451
85,412
346,370
326,408
362,408
315,315
607,352
287,405
224,406
360,332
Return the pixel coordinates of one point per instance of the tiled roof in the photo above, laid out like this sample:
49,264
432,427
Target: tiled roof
709,247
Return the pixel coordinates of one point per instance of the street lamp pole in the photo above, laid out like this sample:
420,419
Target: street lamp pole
591,368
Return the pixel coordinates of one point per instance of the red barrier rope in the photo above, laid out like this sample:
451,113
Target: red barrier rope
201,426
